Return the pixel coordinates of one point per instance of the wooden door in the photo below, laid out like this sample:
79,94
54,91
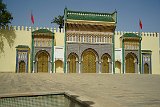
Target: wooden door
146,68
43,62
22,67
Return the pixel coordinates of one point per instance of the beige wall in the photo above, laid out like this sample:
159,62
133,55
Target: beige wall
23,37
151,42
8,58
118,34
59,39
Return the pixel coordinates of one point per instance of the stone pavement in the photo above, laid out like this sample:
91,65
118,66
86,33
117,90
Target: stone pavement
97,90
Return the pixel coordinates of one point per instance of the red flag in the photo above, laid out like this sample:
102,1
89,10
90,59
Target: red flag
32,18
140,24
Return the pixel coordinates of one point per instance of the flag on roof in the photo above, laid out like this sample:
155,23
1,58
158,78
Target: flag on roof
140,24
32,18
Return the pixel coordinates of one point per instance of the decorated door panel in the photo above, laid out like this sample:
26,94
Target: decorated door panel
89,62
22,67
130,66
105,64
146,68
72,64
43,62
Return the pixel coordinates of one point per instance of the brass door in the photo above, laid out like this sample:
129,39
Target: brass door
130,66
72,64
42,62
105,64
89,62
22,67
59,66
146,68
117,67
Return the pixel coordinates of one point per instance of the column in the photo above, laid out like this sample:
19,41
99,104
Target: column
123,63
17,61
150,70
32,54
112,67
52,68
142,64
124,67
79,67
140,69
136,66
113,52
99,66
33,67
68,66
65,19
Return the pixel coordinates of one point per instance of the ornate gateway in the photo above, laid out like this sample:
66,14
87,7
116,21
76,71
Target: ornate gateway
89,35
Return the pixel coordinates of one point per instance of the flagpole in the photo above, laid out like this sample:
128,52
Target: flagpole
140,38
32,54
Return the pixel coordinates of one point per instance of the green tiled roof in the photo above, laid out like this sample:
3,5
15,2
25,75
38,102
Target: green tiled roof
22,46
131,35
42,31
91,16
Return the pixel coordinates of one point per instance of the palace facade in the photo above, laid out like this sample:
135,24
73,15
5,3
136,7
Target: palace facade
87,44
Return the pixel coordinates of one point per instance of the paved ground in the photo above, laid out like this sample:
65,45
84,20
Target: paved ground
98,90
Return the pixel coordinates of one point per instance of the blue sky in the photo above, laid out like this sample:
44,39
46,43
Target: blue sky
129,12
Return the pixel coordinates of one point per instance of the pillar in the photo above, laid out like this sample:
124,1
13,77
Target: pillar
97,66
52,68
68,67
123,60
100,67
32,54
79,67
65,19
150,70
140,69
113,54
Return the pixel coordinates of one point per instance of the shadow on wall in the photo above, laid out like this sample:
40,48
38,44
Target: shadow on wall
9,35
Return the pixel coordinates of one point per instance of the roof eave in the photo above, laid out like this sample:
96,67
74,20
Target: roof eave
90,21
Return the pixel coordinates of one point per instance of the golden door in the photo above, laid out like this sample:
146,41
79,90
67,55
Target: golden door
22,67
72,64
105,64
117,67
146,68
130,66
59,66
89,62
42,62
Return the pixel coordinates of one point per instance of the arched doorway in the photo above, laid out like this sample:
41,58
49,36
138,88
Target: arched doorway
105,63
72,63
59,66
130,63
117,67
146,68
89,61
22,67
42,61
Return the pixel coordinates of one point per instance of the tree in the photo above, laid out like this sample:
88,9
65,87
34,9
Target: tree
5,19
5,16
59,21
